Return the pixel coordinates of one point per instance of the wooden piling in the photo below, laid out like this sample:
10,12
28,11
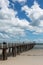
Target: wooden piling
9,50
18,50
4,51
14,51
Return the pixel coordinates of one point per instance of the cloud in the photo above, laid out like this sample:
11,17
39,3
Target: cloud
38,40
35,13
10,25
22,2
19,0
4,3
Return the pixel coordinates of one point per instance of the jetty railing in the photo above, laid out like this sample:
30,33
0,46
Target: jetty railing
14,49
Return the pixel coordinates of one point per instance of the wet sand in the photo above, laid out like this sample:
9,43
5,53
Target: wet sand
32,57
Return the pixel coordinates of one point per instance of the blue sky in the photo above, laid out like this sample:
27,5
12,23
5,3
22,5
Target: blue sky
21,20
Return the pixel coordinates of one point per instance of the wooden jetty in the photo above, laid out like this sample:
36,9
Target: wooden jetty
14,49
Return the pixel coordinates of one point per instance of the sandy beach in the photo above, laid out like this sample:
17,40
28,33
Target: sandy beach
31,57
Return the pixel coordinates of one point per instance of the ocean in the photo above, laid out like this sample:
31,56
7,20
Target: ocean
36,51
38,47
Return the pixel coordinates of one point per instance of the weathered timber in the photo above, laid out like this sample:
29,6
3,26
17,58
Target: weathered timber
14,49
4,51
18,50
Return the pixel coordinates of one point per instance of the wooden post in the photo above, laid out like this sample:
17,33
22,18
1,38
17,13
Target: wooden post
27,47
14,51
18,50
9,50
21,48
4,54
4,51
24,47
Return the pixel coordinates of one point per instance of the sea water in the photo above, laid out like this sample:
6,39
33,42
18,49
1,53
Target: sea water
37,50
38,47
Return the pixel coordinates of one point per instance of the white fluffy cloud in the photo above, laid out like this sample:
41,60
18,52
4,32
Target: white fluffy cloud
34,12
11,26
19,0
36,15
22,2
39,40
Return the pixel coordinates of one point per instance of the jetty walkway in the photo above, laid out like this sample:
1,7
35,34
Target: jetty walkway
14,49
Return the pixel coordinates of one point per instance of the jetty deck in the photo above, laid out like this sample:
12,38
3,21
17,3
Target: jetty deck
14,48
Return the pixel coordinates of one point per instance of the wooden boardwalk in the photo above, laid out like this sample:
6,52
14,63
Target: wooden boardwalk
16,49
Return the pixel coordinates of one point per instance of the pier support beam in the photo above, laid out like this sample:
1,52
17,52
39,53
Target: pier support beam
4,54
21,48
4,51
14,51
9,50
18,50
